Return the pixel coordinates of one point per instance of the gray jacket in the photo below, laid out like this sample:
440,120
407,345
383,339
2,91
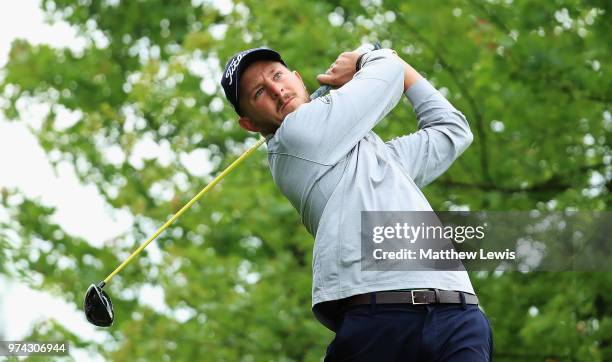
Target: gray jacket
328,162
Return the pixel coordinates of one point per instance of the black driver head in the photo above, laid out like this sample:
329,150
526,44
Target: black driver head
98,307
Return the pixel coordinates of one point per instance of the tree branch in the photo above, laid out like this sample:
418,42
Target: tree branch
556,182
484,159
494,19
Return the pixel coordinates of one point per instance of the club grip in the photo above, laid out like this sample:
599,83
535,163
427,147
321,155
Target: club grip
326,88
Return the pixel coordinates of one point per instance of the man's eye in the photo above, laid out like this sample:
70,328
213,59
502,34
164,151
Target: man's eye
277,75
258,92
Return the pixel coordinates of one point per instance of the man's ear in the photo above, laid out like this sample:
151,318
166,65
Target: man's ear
246,123
297,74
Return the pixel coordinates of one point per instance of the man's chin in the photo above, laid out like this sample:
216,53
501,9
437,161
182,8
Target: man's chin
293,105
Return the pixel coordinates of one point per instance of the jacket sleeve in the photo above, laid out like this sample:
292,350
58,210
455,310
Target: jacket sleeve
327,128
443,135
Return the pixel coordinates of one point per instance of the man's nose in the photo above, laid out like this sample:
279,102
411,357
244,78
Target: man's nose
276,90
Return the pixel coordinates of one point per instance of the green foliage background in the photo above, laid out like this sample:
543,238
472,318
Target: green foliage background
240,260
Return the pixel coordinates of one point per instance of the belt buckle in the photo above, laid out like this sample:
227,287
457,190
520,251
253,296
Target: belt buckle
412,296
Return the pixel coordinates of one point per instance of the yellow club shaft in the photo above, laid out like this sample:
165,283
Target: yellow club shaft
215,181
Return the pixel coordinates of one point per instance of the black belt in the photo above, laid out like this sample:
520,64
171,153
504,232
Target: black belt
414,297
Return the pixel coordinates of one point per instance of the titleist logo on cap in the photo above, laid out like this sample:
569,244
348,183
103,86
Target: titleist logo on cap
231,69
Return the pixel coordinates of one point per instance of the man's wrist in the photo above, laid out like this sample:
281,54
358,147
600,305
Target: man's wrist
420,91
411,76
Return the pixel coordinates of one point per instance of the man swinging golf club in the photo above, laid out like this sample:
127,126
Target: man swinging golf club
325,158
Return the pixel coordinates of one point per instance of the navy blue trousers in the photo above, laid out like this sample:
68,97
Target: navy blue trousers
403,332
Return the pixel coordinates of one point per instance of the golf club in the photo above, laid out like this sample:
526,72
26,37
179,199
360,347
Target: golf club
97,304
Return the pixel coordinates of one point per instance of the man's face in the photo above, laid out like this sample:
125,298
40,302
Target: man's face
268,93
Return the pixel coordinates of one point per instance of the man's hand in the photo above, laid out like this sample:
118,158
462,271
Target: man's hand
344,68
341,71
